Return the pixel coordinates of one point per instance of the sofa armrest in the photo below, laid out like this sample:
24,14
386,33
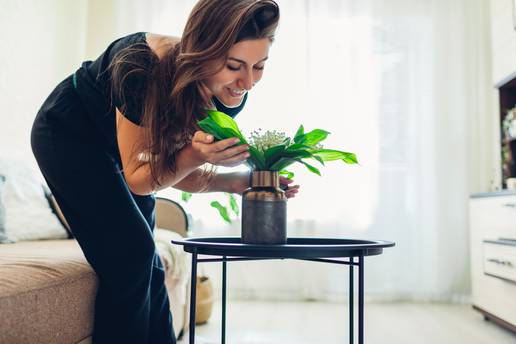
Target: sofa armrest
170,215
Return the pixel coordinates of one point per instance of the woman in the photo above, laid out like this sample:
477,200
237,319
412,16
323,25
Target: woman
124,126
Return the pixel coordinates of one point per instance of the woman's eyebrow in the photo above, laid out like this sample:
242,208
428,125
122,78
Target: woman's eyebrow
243,62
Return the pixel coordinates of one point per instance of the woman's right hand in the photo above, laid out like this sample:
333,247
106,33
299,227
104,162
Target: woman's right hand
223,153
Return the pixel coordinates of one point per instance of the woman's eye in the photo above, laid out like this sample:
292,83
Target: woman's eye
233,68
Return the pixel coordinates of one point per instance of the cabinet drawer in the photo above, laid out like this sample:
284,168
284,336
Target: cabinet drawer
495,217
500,259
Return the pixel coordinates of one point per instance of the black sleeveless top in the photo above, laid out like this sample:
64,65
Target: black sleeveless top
92,82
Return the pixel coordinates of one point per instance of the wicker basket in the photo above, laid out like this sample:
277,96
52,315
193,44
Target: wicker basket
204,300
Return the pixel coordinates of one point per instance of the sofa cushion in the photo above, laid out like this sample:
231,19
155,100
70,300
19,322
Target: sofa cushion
47,292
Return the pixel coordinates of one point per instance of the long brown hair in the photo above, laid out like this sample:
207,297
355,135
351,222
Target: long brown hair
174,97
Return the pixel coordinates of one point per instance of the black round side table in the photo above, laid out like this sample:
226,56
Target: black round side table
325,250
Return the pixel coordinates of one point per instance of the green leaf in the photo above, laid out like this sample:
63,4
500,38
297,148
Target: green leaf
314,137
332,154
233,204
225,121
303,153
222,210
250,164
257,159
287,174
221,126
318,158
310,167
220,133
185,196
297,146
300,132
273,154
281,164
299,153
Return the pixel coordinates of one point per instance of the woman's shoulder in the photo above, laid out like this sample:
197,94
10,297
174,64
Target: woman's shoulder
160,44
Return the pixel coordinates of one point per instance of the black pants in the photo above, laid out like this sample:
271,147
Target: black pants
112,225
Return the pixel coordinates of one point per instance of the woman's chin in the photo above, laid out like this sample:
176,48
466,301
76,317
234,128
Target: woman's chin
231,101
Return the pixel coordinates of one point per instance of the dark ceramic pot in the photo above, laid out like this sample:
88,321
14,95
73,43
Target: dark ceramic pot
264,210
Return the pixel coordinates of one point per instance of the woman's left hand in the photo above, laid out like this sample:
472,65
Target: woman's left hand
290,190
240,182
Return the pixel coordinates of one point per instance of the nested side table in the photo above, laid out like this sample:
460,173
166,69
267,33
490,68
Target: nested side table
348,252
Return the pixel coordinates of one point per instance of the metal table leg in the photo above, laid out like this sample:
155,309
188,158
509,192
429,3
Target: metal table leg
361,300
193,294
351,300
223,339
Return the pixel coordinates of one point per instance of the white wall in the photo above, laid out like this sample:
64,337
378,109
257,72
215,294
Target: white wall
41,43
101,27
44,41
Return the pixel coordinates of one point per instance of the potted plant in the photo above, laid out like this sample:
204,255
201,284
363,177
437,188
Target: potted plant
509,147
264,203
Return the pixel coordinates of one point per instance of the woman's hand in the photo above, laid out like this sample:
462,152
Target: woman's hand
290,191
222,153
240,183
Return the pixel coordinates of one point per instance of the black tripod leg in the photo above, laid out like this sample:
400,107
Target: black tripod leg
193,290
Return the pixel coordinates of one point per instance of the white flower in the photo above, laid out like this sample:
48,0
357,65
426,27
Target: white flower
264,141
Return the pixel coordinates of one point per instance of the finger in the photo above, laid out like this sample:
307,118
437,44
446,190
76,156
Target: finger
201,136
224,144
232,152
294,190
288,187
234,160
285,180
291,194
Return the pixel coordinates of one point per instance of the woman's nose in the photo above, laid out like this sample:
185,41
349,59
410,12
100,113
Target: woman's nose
246,80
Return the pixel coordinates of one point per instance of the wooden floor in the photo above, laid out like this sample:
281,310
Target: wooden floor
326,323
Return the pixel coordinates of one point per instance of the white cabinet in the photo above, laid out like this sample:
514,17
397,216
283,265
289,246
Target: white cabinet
499,258
493,255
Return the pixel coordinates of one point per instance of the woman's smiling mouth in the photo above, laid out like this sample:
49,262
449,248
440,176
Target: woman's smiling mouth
236,92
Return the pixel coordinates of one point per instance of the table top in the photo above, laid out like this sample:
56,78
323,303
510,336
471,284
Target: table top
294,248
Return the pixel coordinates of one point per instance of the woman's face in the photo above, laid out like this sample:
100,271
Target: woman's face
241,71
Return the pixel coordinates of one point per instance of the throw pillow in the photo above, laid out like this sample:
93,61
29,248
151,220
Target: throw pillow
3,238
57,211
28,215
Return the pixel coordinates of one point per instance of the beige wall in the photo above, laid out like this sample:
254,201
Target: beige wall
41,43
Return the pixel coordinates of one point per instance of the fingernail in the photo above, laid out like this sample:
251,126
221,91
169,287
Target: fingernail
209,137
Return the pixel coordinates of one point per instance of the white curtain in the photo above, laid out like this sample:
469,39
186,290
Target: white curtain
401,83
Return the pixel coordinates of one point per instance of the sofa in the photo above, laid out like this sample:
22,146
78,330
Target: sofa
47,288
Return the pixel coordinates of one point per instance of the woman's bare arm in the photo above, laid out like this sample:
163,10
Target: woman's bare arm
197,181
137,174
130,138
